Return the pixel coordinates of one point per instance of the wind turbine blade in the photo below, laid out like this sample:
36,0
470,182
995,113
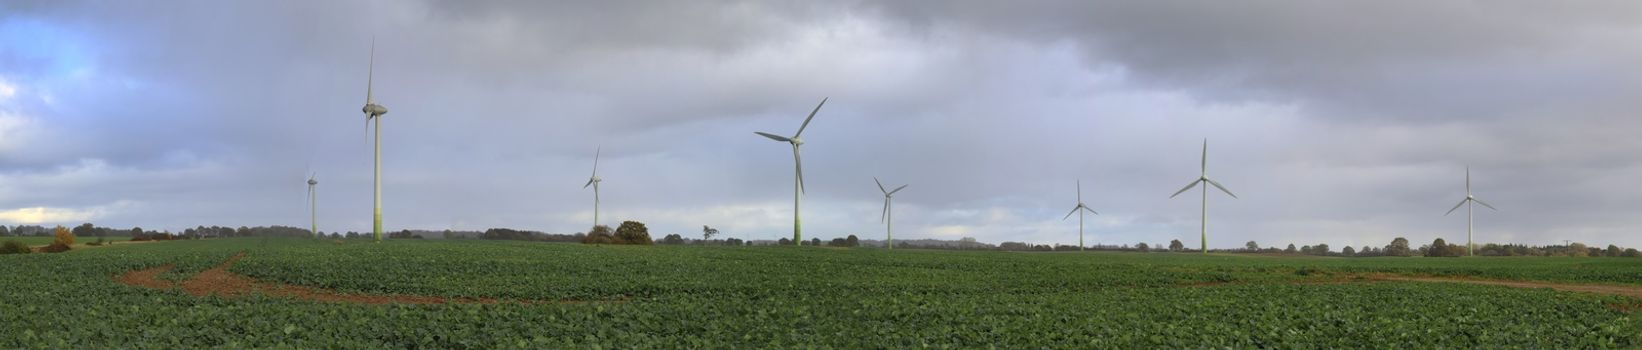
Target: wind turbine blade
812,116
589,183
880,185
1485,204
1080,191
596,154
370,75
1456,207
1091,211
898,189
799,162
885,213
1222,188
1069,215
773,136
1205,165
1468,180
1188,187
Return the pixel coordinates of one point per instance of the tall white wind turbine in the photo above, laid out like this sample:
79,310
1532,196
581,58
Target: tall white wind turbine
1079,209
1470,212
313,208
375,111
798,178
1204,178
888,216
594,181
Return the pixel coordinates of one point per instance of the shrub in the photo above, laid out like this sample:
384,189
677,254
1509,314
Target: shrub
63,236
633,232
599,235
13,246
56,247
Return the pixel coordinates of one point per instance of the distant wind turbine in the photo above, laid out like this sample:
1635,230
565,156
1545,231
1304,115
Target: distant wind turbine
313,209
1470,211
1204,178
1079,209
375,111
888,217
594,181
798,179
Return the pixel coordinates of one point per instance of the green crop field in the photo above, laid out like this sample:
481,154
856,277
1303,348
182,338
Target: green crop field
570,295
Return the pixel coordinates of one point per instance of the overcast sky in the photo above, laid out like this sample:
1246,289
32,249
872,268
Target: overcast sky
1342,123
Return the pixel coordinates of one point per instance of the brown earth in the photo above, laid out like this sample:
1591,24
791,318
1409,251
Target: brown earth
1630,291
219,282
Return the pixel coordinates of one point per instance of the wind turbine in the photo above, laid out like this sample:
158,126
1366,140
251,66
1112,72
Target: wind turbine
1079,210
375,111
888,217
798,179
1470,211
1204,178
594,181
313,209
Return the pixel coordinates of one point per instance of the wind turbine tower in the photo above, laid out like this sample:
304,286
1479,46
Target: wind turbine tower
798,178
1079,209
313,209
594,181
1204,178
1470,212
888,217
375,111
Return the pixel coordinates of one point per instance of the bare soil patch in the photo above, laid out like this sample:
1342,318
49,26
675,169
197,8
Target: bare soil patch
1630,291
219,282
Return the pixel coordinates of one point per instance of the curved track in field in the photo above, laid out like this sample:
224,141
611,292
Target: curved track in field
219,282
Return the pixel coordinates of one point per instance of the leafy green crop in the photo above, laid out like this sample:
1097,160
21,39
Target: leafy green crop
763,297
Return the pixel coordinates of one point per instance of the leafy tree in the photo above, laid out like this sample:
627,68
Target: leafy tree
4,231
1305,249
62,240
672,239
784,241
84,230
1438,248
1321,249
63,236
707,233
1578,250
1251,246
1348,251
1613,250
852,241
1398,247
816,242
633,232
1175,246
1291,249
1631,253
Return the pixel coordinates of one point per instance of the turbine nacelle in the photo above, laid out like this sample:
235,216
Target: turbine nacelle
373,110
795,141
312,182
